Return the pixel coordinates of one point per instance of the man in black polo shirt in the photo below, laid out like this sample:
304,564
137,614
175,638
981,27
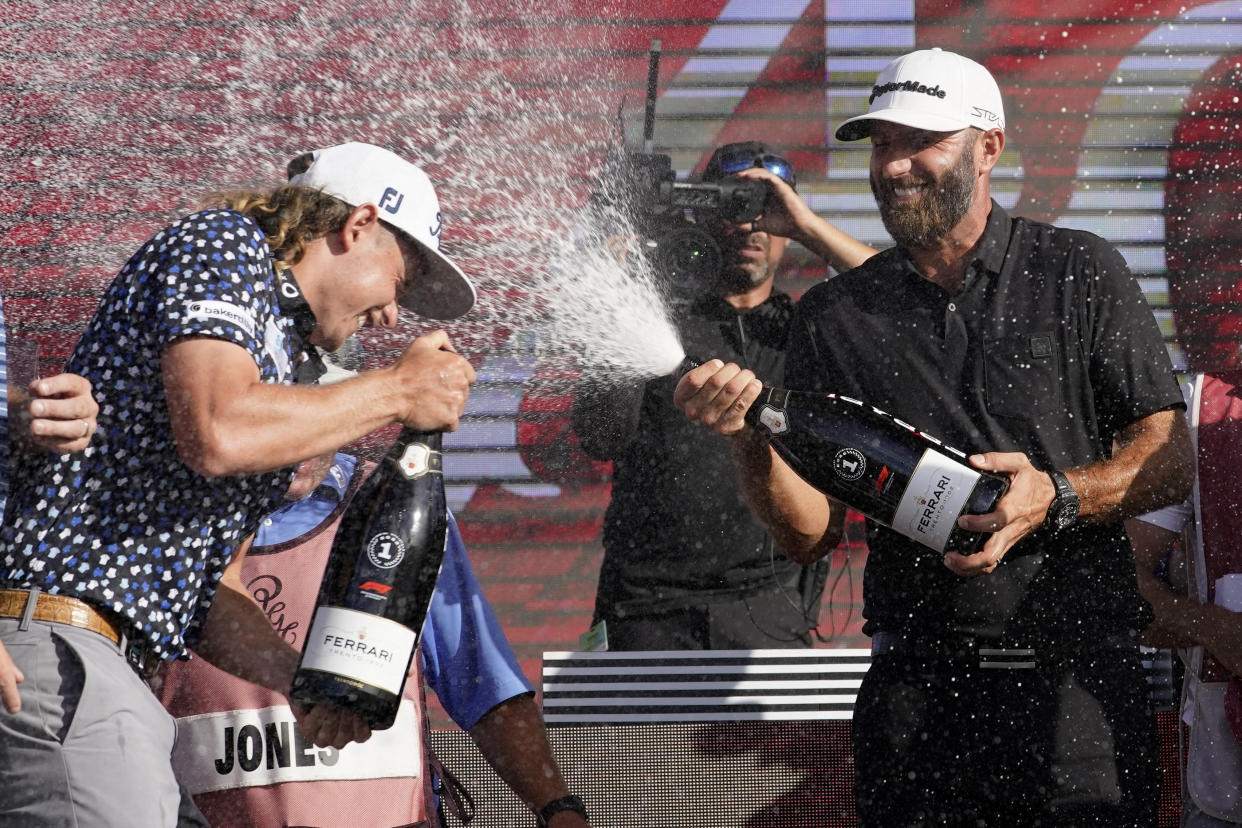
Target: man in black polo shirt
1006,686
686,566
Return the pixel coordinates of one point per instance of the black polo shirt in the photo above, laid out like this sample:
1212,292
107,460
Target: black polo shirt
1049,348
677,527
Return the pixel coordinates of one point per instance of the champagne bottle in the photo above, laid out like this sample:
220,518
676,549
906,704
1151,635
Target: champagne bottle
878,465
377,585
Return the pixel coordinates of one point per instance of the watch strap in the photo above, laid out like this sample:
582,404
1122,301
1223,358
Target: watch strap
1064,507
564,803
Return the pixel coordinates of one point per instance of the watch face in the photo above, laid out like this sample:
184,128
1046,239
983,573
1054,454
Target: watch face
1063,510
1066,513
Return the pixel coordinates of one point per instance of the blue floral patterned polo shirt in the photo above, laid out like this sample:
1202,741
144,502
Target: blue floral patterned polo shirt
126,524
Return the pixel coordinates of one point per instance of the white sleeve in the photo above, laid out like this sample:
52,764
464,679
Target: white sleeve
1172,518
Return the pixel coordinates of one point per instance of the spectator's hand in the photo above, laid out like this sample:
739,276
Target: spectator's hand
59,415
10,677
328,726
717,395
435,381
784,213
1020,512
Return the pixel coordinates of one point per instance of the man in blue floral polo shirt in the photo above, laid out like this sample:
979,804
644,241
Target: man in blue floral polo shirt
110,559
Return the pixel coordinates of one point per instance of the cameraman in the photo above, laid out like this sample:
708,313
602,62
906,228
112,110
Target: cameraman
686,565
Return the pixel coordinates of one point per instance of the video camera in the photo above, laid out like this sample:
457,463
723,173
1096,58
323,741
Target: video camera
677,222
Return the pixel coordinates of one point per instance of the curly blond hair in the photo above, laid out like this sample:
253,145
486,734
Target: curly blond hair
289,216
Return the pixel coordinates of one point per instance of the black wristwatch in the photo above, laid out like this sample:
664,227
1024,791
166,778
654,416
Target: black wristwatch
1063,510
565,803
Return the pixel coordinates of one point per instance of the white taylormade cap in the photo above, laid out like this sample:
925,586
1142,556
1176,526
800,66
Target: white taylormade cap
933,90
365,174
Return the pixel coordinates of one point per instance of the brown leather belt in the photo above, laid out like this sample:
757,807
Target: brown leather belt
65,609
59,609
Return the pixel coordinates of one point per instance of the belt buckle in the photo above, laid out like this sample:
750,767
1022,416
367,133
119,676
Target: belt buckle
139,656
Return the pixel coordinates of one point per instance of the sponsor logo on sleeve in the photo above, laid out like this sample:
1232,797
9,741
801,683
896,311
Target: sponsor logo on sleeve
218,311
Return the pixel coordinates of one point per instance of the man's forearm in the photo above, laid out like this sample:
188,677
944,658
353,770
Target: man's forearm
227,421
248,431
512,738
833,245
1152,466
804,523
1181,619
238,638
1217,629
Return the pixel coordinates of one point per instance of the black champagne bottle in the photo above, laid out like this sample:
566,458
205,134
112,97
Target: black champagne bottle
878,465
377,585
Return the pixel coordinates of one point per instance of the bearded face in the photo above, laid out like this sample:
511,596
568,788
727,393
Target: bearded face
920,207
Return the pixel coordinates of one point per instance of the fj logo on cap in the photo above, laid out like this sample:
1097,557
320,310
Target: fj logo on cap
391,200
435,229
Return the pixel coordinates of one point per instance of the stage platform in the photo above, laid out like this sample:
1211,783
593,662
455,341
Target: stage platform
717,739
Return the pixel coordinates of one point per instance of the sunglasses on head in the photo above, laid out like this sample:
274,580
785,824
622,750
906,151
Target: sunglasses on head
775,164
